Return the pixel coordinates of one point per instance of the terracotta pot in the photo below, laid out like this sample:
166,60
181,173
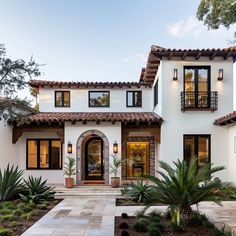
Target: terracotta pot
115,182
69,182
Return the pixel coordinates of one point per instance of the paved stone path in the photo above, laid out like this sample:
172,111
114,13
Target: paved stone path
94,216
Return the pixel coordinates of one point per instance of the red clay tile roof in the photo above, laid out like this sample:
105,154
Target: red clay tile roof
95,116
226,120
59,84
148,74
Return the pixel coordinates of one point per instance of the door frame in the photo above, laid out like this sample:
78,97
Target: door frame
101,177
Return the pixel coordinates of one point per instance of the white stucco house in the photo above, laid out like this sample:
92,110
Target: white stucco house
178,109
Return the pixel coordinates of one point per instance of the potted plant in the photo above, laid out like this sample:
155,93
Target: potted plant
69,170
115,165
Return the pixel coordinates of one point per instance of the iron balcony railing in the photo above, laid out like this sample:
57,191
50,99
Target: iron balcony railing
199,100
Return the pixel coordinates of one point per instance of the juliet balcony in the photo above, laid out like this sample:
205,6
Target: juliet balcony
199,101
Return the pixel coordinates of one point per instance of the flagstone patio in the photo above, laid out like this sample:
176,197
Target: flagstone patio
94,216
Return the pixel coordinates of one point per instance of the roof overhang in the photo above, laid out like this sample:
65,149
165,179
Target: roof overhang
228,119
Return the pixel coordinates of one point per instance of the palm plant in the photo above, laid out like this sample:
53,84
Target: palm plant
183,186
69,168
138,192
116,164
10,182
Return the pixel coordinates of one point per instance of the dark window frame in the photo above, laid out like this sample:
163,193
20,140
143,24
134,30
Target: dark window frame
196,90
38,154
97,91
156,93
62,97
133,97
196,142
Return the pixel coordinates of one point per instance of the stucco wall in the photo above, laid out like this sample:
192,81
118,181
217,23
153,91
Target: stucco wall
111,131
232,152
79,101
177,123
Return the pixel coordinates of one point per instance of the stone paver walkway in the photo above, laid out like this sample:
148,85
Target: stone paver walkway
94,216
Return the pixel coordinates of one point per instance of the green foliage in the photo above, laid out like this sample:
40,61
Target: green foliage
217,12
228,191
9,217
18,212
69,168
183,186
154,216
24,207
154,229
10,182
115,165
176,228
140,226
27,216
138,192
6,232
5,211
42,206
37,191
13,224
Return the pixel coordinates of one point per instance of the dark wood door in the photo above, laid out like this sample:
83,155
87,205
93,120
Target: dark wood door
94,166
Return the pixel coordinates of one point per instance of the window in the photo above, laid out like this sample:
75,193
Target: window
197,146
44,154
99,98
156,94
134,98
197,86
62,98
137,159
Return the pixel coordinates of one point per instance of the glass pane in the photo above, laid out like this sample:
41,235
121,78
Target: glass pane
58,99
138,99
66,99
130,99
202,88
189,148
44,157
32,154
99,99
56,155
137,159
94,159
203,150
189,86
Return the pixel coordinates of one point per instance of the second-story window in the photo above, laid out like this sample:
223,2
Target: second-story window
62,98
134,99
99,98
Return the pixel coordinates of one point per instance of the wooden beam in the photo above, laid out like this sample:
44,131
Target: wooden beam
213,55
227,56
197,57
184,56
170,56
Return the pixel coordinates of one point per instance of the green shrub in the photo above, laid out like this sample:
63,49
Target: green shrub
18,212
10,182
37,191
154,216
5,232
138,192
5,211
8,205
27,216
42,206
24,207
13,224
176,228
154,229
9,217
140,226
228,191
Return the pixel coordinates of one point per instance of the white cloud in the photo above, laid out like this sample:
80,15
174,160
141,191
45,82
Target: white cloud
135,57
188,27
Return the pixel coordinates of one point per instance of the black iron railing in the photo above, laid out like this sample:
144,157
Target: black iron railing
199,100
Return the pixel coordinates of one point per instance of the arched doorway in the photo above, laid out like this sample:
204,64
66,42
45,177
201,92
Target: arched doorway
92,157
94,161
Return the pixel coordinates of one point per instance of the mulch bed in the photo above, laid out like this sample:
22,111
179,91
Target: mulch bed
188,231
23,225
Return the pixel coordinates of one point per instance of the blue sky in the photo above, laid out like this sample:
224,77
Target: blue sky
100,40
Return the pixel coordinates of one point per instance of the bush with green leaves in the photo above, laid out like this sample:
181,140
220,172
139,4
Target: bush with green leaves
10,182
36,190
155,229
138,192
140,225
183,186
5,232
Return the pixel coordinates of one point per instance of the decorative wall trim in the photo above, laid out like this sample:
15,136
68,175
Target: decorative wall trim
80,154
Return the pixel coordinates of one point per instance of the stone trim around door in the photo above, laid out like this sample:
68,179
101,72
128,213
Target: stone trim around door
79,151
151,140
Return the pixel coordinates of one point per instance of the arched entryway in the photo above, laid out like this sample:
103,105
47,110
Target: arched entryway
92,157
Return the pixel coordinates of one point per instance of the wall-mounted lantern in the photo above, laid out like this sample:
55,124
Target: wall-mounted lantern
69,147
115,147
220,74
175,76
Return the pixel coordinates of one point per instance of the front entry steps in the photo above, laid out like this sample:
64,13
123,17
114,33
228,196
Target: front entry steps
92,182
86,191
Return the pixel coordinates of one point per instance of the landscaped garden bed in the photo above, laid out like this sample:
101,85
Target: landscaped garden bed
17,216
130,202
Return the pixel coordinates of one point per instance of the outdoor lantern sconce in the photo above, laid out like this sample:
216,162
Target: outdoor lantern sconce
220,75
115,147
175,77
69,147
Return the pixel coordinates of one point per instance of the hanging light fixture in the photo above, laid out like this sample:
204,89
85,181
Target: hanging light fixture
115,147
69,147
175,76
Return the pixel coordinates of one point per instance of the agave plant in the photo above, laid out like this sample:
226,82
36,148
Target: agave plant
10,182
36,190
183,186
139,191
